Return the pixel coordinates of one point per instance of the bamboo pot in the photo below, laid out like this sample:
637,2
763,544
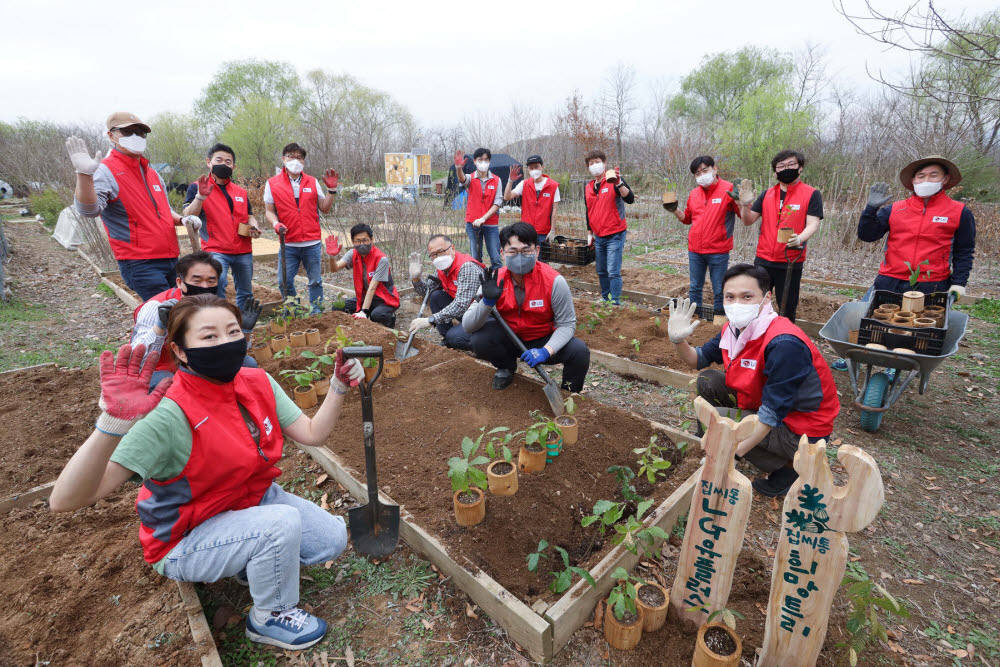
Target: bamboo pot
924,322
883,315
305,397
785,234
528,461
569,427
889,306
278,328
262,352
653,618
620,636
470,515
502,485
391,368
370,373
298,339
852,336
279,342
243,229
322,387
706,657
913,301
312,336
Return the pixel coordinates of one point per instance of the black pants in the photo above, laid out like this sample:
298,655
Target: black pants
381,312
454,335
492,344
899,285
777,276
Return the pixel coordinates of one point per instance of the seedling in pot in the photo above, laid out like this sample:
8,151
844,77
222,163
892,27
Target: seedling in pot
303,377
546,432
651,462
915,272
622,596
469,502
561,580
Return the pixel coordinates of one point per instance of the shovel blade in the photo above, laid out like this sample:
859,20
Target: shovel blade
378,539
406,351
555,398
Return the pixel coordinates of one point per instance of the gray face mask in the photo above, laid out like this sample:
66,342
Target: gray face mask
363,249
521,264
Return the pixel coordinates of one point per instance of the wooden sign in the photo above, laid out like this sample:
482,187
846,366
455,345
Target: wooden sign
717,519
812,549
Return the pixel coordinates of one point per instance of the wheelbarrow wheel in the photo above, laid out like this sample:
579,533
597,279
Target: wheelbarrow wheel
878,385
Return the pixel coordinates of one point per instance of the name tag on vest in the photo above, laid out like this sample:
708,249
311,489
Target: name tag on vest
307,189
604,190
748,363
267,426
491,187
717,201
157,188
238,198
536,303
939,218
546,194
794,207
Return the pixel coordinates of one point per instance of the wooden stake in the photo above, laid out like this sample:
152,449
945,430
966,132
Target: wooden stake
812,549
717,519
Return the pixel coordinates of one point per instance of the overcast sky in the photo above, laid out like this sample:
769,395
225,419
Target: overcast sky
77,61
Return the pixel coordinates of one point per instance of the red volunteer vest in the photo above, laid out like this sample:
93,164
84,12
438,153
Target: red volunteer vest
481,198
150,232
707,209
917,233
449,278
792,214
745,376
536,205
368,265
602,209
300,217
226,469
219,233
534,317
166,362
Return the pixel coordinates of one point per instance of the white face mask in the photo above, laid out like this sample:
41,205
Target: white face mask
294,167
535,173
926,189
483,166
135,143
742,314
705,180
442,263
596,169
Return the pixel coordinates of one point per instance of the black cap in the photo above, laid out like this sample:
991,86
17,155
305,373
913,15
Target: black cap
534,158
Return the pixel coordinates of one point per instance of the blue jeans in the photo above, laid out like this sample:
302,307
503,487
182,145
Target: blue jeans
242,266
491,235
270,541
716,264
609,250
148,277
311,258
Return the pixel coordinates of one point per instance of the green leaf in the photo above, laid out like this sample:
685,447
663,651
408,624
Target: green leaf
531,437
532,562
620,608
309,354
467,446
656,532
643,508
564,554
602,506
619,573
506,454
479,460
562,581
542,545
498,429
585,575
587,520
478,477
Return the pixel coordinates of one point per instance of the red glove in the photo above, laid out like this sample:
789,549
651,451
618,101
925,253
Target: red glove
331,178
125,396
346,373
515,173
280,229
332,245
204,185
459,158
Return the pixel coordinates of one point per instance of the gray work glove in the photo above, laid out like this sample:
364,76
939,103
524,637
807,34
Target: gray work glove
879,196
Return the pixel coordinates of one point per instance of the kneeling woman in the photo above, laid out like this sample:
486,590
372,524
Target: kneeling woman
207,456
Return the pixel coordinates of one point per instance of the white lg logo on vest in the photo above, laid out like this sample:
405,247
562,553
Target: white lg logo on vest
307,189
749,363
157,188
536,303
717,201
546,194
940,218
267,426
238,198
794,207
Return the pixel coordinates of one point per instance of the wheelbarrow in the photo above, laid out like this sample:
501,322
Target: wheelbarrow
875,393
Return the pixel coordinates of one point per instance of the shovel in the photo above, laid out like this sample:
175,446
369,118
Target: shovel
408,352
375,526
551,389
788,279
281,267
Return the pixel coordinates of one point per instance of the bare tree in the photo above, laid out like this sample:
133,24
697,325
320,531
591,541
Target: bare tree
619,105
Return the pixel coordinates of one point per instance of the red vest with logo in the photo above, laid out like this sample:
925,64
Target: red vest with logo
481,198
791,214
536,205
917,233
367,265
707,208
449,278
227,470
745,376
602,209
300,217
166,362
150,233
534,317
219,233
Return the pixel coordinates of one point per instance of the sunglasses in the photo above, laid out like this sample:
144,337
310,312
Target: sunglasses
129,131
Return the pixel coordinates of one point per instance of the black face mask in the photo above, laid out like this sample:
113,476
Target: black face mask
225,172
787,176
219,362
193,290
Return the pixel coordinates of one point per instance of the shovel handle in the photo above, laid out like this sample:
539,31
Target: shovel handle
365,352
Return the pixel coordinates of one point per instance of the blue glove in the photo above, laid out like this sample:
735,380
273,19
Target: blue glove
535,356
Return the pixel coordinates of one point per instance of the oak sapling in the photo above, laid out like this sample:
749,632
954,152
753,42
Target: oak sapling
634,535
622,596
651,462
563,579
462,470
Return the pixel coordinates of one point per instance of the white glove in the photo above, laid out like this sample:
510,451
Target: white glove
192,220
959,290
416,266
419,323
360,315
793,241
354,370
680,326
478,222
80,156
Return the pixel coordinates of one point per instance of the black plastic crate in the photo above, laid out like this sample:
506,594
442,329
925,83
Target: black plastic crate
922,341
568,251
706,311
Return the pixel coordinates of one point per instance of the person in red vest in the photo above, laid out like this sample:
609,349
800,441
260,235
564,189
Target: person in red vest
293,203
485,199
540,203
771,369
604,202
223,206
789,203
197,273
537,304
455,286
131,199
206,446
375,295
711,215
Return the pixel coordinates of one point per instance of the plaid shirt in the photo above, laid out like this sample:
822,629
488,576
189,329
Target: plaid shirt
466,287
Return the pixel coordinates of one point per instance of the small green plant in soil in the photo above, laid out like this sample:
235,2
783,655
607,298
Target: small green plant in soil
599,312
727,616
622,596
635,344
301,377
570,405
561,580
462,469
864,624
284,352
541,431
915,272
624,476
634,535
293,309
338,303
319,360
651,462
496,447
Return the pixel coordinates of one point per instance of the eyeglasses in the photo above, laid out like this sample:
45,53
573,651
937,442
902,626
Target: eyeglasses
129,131
439,253
787,165
510,252
358,244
